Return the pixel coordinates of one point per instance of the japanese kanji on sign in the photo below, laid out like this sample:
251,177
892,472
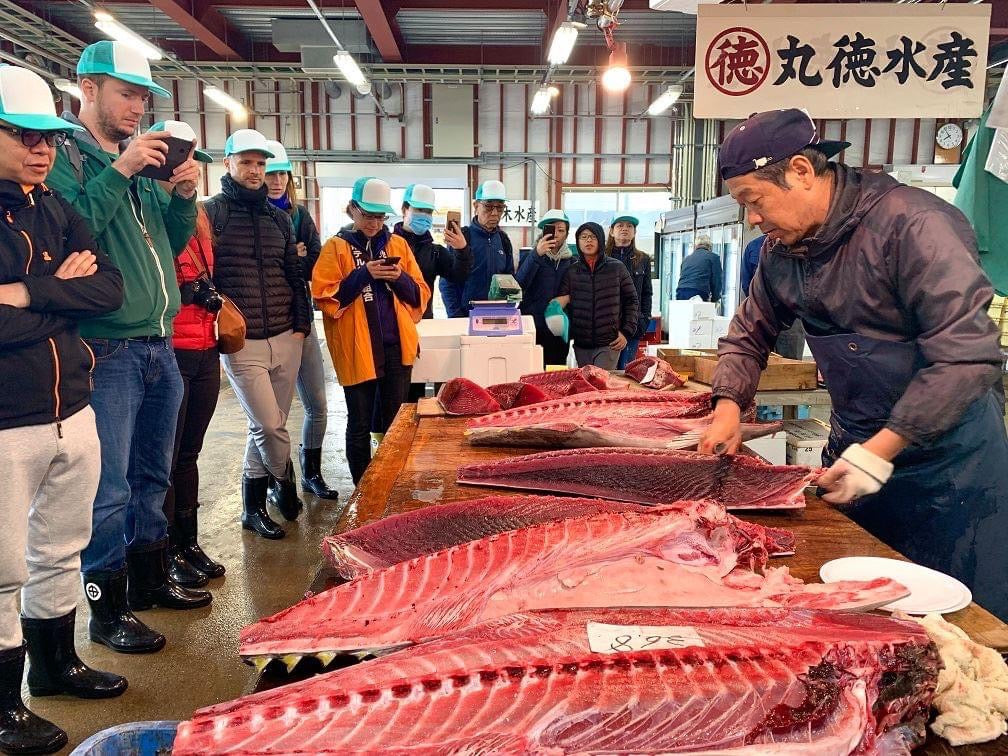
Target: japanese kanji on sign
520,212
842,61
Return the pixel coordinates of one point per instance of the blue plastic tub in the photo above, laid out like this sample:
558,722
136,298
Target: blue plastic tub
133,739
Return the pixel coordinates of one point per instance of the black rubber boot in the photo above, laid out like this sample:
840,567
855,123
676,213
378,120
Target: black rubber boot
311,475
254,515
150,585
187,530
179,569
21,731
54,666
283,494
112,623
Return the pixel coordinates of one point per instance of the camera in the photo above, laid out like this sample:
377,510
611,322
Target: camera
201,292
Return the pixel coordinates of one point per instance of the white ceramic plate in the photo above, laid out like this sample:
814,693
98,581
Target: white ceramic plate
930,590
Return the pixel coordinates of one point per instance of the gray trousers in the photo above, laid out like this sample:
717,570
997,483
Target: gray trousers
602,357
49,484
311,392
262,375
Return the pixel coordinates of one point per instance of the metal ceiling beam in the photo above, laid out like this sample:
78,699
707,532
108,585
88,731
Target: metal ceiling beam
383,30
207,25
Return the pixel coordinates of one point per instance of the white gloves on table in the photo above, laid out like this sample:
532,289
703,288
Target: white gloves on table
857,473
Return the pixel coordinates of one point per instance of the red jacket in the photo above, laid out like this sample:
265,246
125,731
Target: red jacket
194,325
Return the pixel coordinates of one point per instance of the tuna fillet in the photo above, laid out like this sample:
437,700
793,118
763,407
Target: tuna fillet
655,373
557,383
621,404
406,536
603,430
650,477
667,556
460,396
750,682
518,394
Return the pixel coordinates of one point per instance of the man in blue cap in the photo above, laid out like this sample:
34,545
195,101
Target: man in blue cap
51,276
490,248
886,280
141,223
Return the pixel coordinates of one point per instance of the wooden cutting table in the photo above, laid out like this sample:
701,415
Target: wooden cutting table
416,466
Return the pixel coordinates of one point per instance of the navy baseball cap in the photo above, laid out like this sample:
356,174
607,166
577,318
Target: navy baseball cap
766,138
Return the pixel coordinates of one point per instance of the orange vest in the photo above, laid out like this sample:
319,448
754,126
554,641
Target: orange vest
346,328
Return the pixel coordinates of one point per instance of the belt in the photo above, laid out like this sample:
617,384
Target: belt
148,339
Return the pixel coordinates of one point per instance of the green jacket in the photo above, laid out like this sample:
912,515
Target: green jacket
143,246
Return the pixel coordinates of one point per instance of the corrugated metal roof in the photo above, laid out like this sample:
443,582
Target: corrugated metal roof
256,23
145,20
656,28
468,27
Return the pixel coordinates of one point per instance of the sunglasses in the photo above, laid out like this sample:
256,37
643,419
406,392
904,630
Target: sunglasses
32,138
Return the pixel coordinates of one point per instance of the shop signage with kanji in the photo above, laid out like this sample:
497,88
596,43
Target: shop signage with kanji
849,60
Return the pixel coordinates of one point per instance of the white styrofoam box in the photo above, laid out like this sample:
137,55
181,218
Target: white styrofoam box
528,337
655,301
805,441
720,327
442,333
496,360
683,310
437,365
701,334
772,448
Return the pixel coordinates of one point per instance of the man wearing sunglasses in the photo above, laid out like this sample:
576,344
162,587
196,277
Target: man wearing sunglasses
490,247
141,224
51,276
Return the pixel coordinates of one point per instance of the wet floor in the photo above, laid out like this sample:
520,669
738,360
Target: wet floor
199,665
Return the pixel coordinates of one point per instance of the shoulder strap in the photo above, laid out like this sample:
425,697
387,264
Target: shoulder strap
283,221
296,220
75,158
219,213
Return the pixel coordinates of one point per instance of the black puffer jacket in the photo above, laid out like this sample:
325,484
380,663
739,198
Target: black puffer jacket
256,262
436,260
603,302
640,272
45,369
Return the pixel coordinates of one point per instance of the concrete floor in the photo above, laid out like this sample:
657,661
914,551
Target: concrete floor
200,666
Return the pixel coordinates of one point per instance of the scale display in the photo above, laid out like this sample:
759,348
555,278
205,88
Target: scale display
494,319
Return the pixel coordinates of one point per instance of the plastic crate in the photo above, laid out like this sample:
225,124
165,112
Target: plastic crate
133,739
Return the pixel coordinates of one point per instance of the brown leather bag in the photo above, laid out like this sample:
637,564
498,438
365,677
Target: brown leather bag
229,323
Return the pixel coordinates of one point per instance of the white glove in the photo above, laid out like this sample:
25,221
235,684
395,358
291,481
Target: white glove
857,473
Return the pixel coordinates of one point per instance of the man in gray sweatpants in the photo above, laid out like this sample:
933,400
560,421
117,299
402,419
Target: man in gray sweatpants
256,264
51,276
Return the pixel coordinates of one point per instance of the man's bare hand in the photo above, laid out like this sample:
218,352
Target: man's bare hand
380,272
724,434
146,149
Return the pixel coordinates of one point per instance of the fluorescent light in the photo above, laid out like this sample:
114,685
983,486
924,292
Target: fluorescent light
665,100
617,76
226,101
540,101
348,67
563,43
65,85
127,36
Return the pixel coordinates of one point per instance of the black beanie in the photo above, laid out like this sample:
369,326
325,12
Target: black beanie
596,229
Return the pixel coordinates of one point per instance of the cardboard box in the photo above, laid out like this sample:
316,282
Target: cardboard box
805,441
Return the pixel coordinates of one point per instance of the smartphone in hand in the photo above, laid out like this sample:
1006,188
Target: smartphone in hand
549,230
454,220
390,261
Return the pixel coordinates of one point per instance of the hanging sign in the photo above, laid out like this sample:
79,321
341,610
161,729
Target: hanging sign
520,212
863,60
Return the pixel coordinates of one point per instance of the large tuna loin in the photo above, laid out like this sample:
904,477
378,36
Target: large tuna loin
667,556
557,383
405,536
650,477
750,682
655,373
517,394
605,430
615,404
460,396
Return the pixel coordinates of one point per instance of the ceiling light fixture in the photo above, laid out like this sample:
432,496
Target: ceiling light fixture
563,43
226,101
616,77
112,28
665,100
65,85
351,71
541,99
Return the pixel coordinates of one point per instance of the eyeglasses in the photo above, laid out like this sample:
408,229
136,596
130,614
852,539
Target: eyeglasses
495,209
380,217
32,138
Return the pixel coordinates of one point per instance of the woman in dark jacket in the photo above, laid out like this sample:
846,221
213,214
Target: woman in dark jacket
601,301
622,246
540,273
311,377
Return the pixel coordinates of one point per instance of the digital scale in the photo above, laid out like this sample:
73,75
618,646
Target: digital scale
495,318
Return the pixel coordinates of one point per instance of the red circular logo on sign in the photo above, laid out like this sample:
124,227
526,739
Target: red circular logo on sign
738,61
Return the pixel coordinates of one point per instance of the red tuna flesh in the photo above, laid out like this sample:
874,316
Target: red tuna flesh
406,536
559,383
517,394
460,396
745,682
655,373
650,477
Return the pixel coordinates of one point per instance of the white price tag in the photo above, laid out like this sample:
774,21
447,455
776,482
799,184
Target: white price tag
614,639
650,374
